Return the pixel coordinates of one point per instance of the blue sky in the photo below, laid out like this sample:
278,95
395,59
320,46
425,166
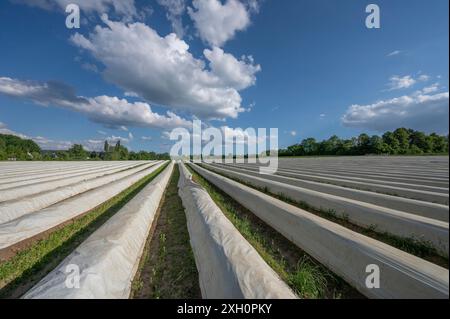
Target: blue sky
307,67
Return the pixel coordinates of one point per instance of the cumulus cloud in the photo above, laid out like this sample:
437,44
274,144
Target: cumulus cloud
216,22
110,111
403,82
124,8
175,10
423,77
163,71
230,71
396,82
430,89
418,111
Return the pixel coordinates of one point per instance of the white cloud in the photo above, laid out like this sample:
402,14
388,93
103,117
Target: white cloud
146,138
165,135
163,71
396,52
109,111
125,8
216,22
175,11
322,116
418,111
403,82
46,143
58,145
240,136
61,145
90,67
131,94
293,133
423,77
253,5
396,82
5,130
430,89
230,71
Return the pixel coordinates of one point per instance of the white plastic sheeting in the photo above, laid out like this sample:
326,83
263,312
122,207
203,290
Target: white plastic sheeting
107,261
30,181
361,213
345,252
41,185
298,169
13,209
48,169
422,208
30,225
365,182
425,167
228,266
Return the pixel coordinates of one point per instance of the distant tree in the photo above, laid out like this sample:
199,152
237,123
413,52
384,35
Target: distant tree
420,141
296,150
310,146
401,141
440,143
376,145
15,147
77,152
415,150
402,136
391,140
363,144
3,154
330,146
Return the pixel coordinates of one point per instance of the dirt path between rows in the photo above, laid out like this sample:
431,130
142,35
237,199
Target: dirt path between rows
167,269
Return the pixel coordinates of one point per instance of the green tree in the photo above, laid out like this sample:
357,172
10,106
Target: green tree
296,150
77,152
310,146
376,145
3,155
440,143
391,140
402,135
363,144
330,146
16,147
420,141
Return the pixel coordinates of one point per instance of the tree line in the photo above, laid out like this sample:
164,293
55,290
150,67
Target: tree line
402,141
15,148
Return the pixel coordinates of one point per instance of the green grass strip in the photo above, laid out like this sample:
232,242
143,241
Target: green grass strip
28,266
307,277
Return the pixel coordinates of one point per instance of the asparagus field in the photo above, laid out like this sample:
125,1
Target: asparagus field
335,227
